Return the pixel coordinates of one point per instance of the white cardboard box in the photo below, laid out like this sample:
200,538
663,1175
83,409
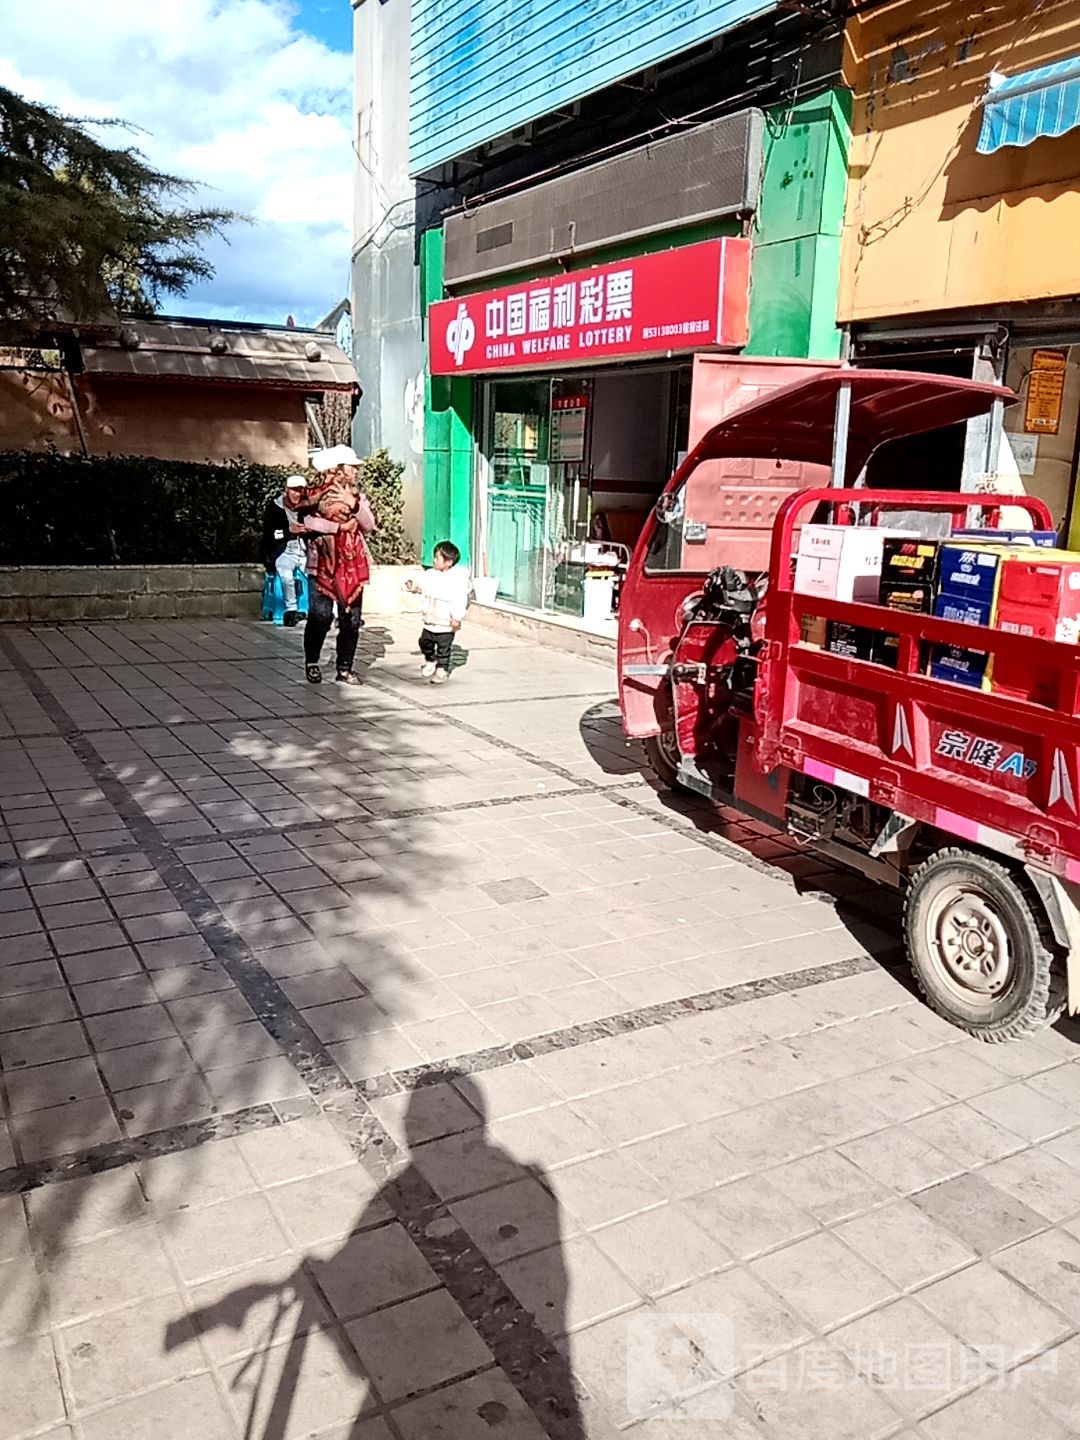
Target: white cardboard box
841,562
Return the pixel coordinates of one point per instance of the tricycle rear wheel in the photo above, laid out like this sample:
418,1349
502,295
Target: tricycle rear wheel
980,946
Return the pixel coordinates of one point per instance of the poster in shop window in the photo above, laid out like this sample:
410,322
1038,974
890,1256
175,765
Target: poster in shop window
568,415
1046,389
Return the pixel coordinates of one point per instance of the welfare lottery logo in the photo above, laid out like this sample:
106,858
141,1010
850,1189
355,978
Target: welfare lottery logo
461,335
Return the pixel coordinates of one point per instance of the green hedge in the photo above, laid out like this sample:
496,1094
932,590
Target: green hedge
125,510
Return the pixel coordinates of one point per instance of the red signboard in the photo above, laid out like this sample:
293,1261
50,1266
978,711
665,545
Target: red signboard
684,299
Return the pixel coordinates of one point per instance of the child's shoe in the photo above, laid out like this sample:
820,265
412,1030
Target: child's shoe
427,670
440,677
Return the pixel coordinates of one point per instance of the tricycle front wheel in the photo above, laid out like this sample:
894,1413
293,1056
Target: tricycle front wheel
662,753
980,946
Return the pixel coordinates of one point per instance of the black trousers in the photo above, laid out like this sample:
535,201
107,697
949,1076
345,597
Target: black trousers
321,617
435,646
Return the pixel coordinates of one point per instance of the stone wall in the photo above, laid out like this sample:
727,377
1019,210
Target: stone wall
47,594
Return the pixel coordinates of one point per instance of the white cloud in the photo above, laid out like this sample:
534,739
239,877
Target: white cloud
232,94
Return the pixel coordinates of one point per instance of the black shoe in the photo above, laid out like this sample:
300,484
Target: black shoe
314,675
290,618
346,677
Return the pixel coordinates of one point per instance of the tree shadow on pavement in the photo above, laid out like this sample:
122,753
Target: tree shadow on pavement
374,1302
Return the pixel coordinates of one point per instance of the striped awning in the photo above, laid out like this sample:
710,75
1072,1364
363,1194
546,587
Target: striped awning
1018,109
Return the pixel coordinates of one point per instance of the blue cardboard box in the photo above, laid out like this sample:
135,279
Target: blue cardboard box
962,667
1044,539
971,572
966,609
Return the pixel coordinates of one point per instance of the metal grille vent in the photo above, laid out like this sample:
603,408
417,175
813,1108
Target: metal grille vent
701,174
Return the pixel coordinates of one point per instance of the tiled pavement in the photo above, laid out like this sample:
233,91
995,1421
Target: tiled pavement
398,1064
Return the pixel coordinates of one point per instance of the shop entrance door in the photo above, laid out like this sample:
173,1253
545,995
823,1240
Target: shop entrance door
568,498
514,489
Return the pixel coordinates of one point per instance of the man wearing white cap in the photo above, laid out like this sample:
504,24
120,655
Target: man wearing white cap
283,550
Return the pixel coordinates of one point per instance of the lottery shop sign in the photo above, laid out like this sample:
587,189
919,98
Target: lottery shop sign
683,299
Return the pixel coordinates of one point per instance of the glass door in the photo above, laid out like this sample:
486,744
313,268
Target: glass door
513,511
569,496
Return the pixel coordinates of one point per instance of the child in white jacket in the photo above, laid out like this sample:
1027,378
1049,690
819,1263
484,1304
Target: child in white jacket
445,591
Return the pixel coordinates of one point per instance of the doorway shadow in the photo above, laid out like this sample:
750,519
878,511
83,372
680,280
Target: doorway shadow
410,1301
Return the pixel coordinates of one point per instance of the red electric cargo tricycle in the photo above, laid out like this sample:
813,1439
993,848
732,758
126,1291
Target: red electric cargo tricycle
963,797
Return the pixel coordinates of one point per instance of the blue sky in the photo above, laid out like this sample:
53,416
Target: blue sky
328,20
250,98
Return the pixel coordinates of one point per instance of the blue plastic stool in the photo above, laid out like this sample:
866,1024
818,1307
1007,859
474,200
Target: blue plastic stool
273,601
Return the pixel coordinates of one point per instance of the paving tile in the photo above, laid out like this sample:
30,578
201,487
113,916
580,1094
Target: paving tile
130,1027
512,1219
1025,1112
39,1045
32,975
761,1325
661,1249
64,1129
179,950
44,1007
329,1205
991,1313
750,1216
125,993
182,1100
84,938
32,1395
834,1404
218,1011
66,1213
828,1186
23,1306
415,1116
146,1064
187,1408
997,1413
1051,1380
467,1411
418,1344
911,1358
605,1188
346,1019
1038,1180
822,1280
568,1286
293,1151
261,1082
236,1314
464,1164
685,1162
370,1270
901,1160
905,1244
101,965
970,1138
193,1178
54,1084
107,1274
222,1237
978,1213
551,1137
14,1239
1047,1265
111,1355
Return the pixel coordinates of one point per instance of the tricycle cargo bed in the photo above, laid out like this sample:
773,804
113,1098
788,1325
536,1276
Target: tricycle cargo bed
995,770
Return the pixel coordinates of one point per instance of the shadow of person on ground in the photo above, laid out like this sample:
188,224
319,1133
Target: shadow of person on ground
412,1350
375,640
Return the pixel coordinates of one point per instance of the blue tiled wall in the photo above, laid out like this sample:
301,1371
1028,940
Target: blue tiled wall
480,68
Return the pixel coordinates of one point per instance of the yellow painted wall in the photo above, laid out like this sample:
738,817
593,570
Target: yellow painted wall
930,224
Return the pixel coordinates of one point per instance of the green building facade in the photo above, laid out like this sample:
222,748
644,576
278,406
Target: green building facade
794,278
